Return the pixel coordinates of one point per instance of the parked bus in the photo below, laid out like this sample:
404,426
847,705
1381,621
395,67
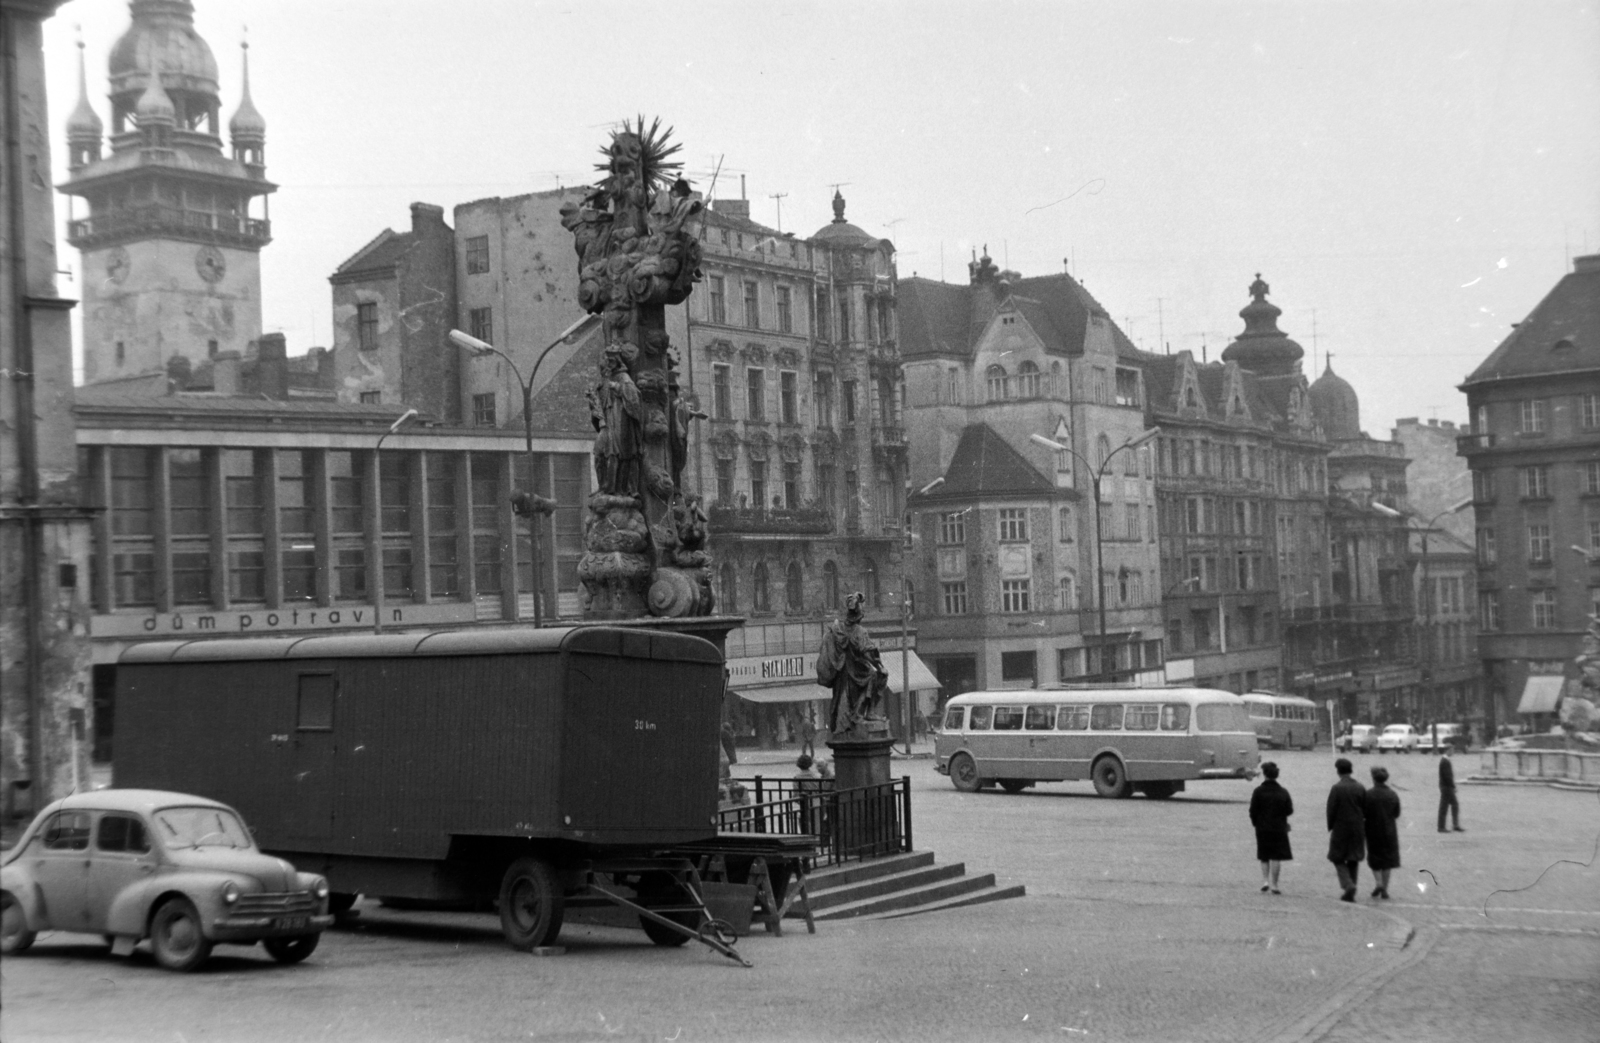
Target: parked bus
1150,740
1282,721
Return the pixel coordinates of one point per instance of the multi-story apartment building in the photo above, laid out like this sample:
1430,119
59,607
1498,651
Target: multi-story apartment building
1006,541
1534,451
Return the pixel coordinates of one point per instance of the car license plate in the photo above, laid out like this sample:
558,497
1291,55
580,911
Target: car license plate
291,923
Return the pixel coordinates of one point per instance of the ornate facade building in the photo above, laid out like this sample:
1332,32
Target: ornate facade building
1534,451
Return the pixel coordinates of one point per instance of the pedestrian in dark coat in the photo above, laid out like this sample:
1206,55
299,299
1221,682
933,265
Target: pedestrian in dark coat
1270,808
1383,831
1347,828
1447,793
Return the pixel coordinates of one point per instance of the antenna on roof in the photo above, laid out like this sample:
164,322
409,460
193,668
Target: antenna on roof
779,198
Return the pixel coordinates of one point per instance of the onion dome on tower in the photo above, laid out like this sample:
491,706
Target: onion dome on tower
155,114
839,231
1335,406
84,129
247,129
1262,348
162,43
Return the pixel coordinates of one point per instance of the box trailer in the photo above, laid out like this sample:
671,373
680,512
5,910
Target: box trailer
511,765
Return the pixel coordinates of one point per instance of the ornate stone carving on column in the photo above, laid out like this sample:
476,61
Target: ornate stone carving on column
644,538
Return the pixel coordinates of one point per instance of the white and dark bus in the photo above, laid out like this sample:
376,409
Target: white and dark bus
1282,721
1146,740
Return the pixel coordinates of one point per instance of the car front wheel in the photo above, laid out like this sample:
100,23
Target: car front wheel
176,938
292,950
14,934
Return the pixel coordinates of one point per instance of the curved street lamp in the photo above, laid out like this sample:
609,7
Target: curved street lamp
377,461
529,503
1424,644
1099,546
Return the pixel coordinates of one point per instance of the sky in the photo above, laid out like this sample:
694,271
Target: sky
1409,177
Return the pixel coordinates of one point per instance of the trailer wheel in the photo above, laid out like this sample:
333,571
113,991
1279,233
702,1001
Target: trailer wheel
531,904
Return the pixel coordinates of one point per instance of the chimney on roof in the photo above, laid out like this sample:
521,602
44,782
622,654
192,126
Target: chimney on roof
1586,263
425,216
272,366
732,207
225,373
178,373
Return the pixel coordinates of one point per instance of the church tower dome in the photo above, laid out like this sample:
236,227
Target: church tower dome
1335,406
1262,348
162,43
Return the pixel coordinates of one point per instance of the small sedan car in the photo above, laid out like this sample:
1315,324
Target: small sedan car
1452,737
1361,737
179,870
1401,738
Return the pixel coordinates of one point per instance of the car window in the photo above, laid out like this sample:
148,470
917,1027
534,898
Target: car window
1008,718
200,827
1221,717
1106,717
952,718
121,833
1142,717
1072,719
979,721
1175,717
67,831
1040,718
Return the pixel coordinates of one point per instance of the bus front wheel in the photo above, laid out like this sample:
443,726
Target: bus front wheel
1110,778
964,773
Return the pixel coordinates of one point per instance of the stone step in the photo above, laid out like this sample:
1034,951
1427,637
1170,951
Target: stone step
987,894
909,898
836,894
850,872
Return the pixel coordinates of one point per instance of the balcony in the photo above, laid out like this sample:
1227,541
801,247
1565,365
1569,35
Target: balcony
1473,443
196,225
888,436
783,521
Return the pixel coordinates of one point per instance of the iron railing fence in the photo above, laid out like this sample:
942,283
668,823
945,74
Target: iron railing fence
850,824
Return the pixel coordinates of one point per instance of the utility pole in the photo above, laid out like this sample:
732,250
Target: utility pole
779,197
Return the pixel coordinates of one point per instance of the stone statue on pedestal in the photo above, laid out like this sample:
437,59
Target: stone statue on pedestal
848,662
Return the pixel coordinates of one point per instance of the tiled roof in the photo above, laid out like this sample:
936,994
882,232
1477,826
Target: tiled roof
1570,314
384,251
934,317
984,464
1160,379
938,318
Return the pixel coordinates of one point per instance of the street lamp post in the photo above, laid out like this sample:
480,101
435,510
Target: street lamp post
530,503
1099,546
377,461
905,621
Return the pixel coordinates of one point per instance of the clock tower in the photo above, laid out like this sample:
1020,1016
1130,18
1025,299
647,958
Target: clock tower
171,250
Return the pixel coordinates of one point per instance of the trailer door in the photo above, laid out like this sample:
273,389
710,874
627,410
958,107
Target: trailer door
313,780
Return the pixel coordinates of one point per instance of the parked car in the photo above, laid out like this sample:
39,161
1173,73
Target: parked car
1361,738
1452,737
1401,738
182,871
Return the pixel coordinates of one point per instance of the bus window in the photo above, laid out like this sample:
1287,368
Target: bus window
952,718
1142,717
1258,709
1072,719
1175,717
980,719
1008,718
1221,717
1105,717
1040,718
1281,712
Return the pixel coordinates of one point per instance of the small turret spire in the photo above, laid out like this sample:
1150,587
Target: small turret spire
84,129
247,128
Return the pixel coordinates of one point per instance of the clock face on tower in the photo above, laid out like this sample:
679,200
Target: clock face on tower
209,263
117,265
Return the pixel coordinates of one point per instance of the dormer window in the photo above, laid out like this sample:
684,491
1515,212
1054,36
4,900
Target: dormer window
1011,320
1564,344
1190,399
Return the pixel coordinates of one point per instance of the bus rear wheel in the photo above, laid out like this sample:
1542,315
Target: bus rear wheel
1110,779
964,773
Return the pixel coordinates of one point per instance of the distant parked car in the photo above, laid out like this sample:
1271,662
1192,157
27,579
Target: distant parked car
179,870
1452,737
1362,738
1401,738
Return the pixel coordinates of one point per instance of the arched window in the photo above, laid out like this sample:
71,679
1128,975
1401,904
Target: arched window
1189,398
794,588
1028,380
1102,451
1067,529
874,591
953,387
759,599
1057,389
727,588
1067,593
998,384
830,586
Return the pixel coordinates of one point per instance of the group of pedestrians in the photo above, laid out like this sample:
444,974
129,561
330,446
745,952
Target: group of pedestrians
1363,823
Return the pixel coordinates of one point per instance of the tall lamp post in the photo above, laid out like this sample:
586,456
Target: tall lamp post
377,461
528,504
1426,643
1099,545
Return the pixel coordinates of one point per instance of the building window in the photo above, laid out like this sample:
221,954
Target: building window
1067,593
1029,380
847,400
719,298
367,327
1544,609
1128,387
1131,521
350,574
444,574
345,489
1069,663
394,493
728,588
1013,525
999,387
1489,610
785,311
1533,416
794,588
752,306
724,469
758,483
1018,666
1594,536
1014,596
211,349
791,485
952,390
825,482
1538,543
955,598
371,398
483,410
844,321
1067,528
477,255
481,324
1589,410
1591,476
1175,635
1536,481
953,528
824,393
830,586
755,394
789,397
874,592
1486,554
721,392
1099,386
122,353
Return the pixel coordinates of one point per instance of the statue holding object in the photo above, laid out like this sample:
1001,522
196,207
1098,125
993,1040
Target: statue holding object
848,662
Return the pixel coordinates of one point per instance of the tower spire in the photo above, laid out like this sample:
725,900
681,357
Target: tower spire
84,129
247,128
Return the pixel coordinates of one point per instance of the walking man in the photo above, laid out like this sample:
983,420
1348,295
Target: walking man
1347,828
1447,793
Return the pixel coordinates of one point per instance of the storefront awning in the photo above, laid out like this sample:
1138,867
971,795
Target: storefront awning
788,693
922,678
1541,694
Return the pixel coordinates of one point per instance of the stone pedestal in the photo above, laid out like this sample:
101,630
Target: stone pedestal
862,761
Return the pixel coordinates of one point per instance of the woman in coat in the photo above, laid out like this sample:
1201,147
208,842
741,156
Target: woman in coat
1347,828
1270,808
1383,833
